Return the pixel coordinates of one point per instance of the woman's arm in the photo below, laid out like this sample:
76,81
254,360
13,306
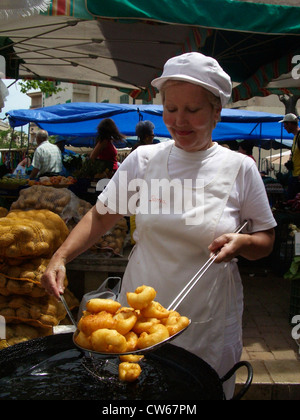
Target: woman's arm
82,237
250,246
98,149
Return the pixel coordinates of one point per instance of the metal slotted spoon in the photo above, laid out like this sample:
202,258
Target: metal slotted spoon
173,306
187,289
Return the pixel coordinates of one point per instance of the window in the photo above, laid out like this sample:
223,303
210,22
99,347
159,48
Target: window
124,99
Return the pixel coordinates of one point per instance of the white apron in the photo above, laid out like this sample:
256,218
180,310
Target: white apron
169,252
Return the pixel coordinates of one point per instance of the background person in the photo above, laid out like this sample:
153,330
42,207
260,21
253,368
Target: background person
145,133
169,251
22,167
61,143
246,148
108,133
47,159
291,125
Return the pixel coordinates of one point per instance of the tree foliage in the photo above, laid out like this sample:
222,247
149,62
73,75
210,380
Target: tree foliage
290,103
44,86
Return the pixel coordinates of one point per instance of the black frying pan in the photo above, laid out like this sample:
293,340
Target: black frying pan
51,368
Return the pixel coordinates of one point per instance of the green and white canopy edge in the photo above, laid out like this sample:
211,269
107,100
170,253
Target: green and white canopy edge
124,43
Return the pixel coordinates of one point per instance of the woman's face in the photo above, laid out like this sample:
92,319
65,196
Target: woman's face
189,115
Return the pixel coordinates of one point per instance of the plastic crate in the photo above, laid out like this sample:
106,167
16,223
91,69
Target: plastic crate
295,299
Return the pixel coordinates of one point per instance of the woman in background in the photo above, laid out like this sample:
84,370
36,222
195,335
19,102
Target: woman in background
145,133
108,132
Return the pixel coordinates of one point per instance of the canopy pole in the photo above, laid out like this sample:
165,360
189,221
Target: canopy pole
10,151
259,158
28,142
280,161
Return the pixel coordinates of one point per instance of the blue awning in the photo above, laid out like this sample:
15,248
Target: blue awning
77,122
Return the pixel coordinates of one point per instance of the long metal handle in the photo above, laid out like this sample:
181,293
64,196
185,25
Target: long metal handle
187,289
68,310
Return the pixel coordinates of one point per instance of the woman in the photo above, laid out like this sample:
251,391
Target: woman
105,150
145,133
221,188
246,148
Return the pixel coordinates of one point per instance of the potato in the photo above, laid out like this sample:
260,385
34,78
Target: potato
8,312
23,313
2,280
14,272
35,312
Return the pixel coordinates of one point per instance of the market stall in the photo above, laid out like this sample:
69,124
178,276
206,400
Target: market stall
77,122
70,198
38,222
28,239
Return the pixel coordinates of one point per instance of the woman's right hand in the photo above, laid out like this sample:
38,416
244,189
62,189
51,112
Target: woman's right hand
54,277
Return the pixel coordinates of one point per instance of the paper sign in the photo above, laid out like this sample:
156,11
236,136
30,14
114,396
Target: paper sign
297,243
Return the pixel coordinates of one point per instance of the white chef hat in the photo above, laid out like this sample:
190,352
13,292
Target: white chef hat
200,70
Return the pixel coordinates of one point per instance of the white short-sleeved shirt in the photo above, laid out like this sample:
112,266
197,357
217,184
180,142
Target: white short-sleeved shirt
47,158
247,200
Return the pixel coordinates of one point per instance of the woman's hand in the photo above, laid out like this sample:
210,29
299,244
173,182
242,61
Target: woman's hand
54,277
85,234
250,246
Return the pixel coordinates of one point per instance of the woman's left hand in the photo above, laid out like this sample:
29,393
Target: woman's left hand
227,246
250,246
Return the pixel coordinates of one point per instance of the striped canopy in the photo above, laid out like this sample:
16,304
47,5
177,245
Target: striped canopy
124,43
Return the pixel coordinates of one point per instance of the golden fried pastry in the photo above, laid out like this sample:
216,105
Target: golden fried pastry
131,339
175,323
155,310
129,372
125,320
117,329
90,323
83,341
157,333
132,358
142,297
109,341
144,324
98,305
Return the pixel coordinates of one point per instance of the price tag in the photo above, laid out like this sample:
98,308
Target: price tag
297,243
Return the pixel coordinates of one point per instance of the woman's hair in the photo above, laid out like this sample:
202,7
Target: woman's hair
144,129
107,130
247,146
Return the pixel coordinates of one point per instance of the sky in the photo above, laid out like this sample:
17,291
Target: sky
15,99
